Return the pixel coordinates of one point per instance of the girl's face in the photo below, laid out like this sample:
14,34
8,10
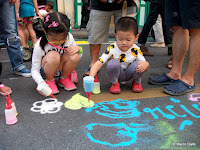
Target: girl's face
57,38
125,39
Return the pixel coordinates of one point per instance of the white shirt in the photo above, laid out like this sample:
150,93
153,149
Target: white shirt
125,58
39,53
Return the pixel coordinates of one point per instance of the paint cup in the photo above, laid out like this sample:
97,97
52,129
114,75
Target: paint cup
44,88
88,84
10,115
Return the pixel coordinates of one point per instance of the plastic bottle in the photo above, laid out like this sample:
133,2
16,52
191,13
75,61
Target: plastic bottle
96,86
10,114
12,104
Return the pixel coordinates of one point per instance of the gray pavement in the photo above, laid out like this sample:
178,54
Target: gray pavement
163,122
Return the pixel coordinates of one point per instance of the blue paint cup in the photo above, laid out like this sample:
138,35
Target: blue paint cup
88,83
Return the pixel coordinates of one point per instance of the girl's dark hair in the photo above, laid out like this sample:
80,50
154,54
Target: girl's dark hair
54,22
127,24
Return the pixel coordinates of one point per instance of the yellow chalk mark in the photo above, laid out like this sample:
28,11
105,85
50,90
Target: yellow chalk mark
81,42
77,102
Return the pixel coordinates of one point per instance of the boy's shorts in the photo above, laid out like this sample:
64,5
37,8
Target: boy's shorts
184,13
25,20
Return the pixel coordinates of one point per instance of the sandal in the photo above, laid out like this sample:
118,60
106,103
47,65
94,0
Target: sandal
87,72
5,88
178,88
161,80
169,65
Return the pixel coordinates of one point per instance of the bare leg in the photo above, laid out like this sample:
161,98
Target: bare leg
68,64
22,34
50,64
193,61
32,33
94,53
180,46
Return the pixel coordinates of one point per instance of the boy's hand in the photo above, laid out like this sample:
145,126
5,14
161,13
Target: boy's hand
71,50
142,66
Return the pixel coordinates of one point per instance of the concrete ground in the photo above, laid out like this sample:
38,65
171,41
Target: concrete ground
128,121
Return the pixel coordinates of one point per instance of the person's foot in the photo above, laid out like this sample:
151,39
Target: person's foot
52,85
137,87
4,90
67,84
162,45
145,51
115,88
24,72
169,65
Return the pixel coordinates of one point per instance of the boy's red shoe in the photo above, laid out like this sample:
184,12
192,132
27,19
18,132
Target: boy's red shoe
115,88
137,87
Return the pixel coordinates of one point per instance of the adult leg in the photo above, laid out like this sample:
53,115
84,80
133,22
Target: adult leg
180,46
94,53
9,34
193,60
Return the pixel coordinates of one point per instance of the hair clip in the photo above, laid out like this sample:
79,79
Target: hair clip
54,24
47,19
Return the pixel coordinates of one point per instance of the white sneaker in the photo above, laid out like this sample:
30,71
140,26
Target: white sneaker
158,45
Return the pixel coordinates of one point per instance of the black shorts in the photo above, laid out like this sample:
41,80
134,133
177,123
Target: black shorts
184,13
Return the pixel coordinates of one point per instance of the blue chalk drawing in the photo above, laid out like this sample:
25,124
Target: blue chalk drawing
149,110
169,107
117,109
184,123
124,130
175,100
189,112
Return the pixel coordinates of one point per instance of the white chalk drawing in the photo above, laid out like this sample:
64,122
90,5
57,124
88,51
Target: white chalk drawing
49,105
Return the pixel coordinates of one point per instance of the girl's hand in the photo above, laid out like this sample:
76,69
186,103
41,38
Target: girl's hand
71,50
142,66
41,93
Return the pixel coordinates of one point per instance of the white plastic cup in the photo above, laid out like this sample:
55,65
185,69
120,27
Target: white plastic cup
44,88
96,88
88,83
10,116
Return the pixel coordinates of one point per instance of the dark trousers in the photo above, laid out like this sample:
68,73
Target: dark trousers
155,9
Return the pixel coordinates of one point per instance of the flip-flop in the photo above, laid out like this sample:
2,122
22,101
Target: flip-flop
178,88
3,87
161,80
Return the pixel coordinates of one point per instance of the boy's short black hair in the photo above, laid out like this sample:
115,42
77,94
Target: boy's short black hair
50,4
127,24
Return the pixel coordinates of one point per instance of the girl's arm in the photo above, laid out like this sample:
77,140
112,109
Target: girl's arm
17,4
95,68
36,7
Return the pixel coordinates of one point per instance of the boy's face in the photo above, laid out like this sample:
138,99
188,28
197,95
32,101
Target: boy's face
125,39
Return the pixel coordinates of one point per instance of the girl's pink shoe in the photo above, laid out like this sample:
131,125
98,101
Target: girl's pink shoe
73,77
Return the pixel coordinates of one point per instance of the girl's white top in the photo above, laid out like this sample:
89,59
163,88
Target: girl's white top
125,58
39,53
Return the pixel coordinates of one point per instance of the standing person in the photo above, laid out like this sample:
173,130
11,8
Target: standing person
9,34
4,90
158,32
56,51
125,60
24,14
156,7
185,23
99,22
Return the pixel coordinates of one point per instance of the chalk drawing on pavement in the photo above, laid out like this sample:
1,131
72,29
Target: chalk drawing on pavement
49,105
185,123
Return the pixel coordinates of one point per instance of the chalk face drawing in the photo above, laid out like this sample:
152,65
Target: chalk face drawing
122,134
121,109
50,106
195,97
116,109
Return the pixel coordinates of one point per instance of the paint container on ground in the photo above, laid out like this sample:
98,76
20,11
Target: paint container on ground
10,114
96,87
12,104
44,88
88,84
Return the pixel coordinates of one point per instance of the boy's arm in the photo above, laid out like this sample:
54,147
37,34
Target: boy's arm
95,68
